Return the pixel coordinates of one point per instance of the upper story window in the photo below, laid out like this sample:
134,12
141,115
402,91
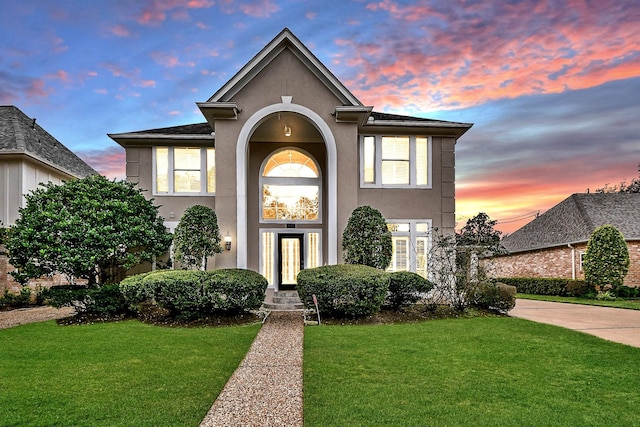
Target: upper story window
290,187
184,170
395,161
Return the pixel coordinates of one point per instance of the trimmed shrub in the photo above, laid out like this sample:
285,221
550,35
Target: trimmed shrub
495,296
107,300
366,240
346,290
10,300
606,261
194,294
546,286
580,288
626,292
406,288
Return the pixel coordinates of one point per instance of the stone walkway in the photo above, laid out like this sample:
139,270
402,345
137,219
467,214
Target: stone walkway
266,390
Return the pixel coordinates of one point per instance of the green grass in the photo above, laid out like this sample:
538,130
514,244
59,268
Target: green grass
115,374
459,372
632,304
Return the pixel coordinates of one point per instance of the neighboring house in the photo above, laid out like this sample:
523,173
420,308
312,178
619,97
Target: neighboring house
29,156
285,155
553,244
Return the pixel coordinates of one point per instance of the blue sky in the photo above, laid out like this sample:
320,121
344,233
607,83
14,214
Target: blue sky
553,87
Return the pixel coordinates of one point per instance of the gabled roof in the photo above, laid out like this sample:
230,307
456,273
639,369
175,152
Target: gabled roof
284,40
575,218
20,135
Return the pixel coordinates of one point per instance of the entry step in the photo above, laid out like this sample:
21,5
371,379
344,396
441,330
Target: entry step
284,300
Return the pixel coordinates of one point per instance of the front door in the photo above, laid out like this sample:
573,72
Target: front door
290,259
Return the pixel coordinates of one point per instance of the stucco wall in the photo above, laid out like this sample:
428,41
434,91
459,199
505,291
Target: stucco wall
557,262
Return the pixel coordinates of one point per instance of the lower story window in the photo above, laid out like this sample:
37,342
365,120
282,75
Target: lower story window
410,239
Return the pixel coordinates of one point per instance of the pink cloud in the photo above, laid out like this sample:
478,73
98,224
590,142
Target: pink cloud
155,11
101,91
147,83
37,89
120,31
174,113
260,8
109,162
495,50
59,75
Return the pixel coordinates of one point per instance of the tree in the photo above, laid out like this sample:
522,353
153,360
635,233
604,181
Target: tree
623,187
480,232
197,237
606,261
90,228
366,239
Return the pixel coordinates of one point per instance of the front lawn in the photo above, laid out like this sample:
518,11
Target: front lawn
631,304
115,374
479,371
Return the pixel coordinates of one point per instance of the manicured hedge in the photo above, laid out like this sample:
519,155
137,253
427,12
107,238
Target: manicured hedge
344,290
548,286
105,300
495,296
193,294
406,288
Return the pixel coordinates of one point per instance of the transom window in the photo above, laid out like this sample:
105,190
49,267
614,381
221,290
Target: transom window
290,187
184,170
395,161
410,239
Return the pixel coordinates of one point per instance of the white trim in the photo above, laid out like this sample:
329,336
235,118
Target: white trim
377,175
204,178
241,176
413,235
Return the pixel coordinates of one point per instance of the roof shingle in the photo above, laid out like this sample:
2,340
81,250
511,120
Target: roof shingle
21,135
575,218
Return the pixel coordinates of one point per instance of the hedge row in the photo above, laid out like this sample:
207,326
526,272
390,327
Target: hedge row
191,294
549,286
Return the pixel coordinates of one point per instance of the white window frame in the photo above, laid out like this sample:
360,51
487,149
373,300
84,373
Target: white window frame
204,182
413,235
262,180
413,179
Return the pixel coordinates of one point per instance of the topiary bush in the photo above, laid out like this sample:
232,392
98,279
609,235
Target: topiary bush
606,261
195,294
406,288
495,296
344,290
366,240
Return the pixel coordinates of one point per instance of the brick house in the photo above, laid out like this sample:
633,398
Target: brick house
29,156
553,244
285,155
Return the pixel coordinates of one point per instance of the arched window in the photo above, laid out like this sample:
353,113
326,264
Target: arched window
290,187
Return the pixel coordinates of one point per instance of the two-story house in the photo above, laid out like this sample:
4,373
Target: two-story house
285,155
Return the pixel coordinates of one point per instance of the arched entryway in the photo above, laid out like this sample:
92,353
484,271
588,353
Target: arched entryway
276,133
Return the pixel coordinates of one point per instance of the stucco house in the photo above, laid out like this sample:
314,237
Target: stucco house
285,155
29,156
553,244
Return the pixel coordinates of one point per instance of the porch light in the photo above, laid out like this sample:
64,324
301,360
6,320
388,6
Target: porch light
287,130
227,241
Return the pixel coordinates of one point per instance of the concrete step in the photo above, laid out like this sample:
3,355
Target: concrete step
283,307
284,300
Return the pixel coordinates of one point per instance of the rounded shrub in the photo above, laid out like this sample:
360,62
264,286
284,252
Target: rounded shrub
344,290
606,261
495,296
406,288
193,294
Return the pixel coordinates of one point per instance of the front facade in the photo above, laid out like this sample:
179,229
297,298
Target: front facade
553,245
286,154
29,157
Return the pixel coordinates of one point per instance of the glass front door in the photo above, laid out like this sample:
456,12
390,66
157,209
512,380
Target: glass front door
290,259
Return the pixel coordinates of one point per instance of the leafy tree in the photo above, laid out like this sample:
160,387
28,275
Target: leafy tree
623,186
606,261
366,239
480,232
90,228
197,237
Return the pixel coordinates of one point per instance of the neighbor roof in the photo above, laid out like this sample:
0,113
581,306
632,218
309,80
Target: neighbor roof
575,218
21,135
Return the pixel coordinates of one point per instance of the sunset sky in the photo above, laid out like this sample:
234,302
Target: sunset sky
553,87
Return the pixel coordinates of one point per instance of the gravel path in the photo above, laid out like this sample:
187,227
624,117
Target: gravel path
30,315
266,389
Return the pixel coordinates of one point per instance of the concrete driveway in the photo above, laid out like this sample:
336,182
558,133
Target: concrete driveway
613,324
